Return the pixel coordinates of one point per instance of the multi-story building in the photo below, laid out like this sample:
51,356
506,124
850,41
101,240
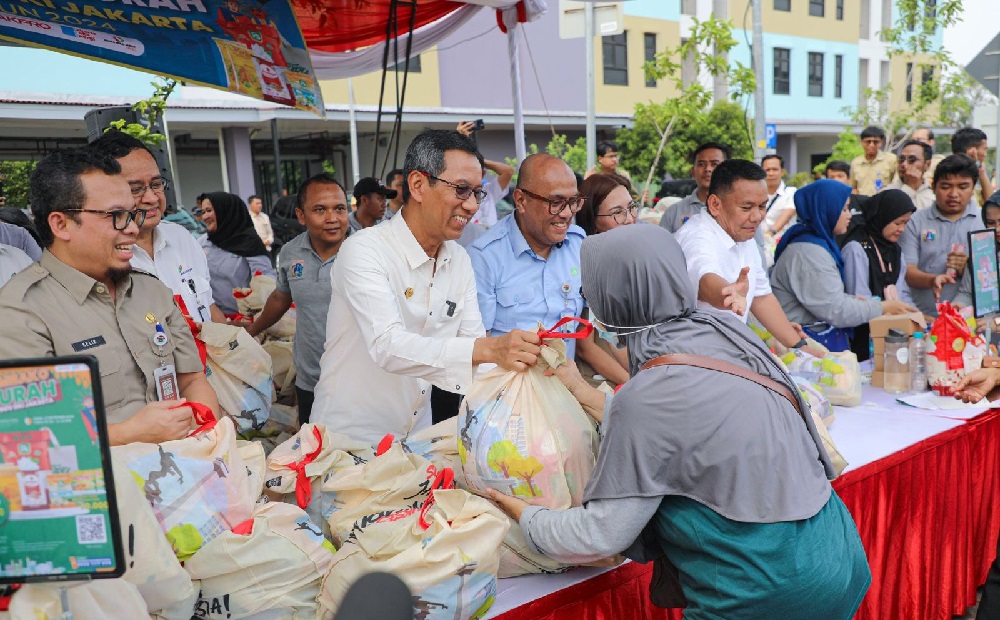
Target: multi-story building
819,56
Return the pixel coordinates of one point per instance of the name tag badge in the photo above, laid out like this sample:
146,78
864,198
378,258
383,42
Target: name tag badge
89,343
928,234
166,382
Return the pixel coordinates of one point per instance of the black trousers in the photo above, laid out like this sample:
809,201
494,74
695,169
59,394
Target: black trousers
305,403
989,604
444,404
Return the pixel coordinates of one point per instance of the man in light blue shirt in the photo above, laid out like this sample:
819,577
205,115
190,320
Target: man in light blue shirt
528,265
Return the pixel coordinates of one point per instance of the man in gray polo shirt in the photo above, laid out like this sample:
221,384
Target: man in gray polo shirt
932,236
703,162
304,265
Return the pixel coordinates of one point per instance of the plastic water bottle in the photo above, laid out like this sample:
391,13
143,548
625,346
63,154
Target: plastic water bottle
918,362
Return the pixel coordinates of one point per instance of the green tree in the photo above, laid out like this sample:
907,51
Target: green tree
936,100
848,147
501,456
151,111
724,122
14,180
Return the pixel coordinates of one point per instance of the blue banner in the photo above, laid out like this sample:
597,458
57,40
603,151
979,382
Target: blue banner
243,46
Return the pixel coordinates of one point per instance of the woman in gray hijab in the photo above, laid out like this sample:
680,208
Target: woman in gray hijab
716,472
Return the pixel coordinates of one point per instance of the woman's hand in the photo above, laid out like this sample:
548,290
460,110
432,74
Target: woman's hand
512,506
896,307
977,385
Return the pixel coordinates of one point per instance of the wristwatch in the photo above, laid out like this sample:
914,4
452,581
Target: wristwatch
802,343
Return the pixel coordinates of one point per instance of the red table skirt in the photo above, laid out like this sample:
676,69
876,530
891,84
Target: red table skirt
928,517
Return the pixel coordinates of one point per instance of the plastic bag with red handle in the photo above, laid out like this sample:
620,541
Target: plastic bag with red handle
953,349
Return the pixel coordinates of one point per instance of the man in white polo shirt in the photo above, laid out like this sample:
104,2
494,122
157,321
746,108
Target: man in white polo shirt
722,257
163,249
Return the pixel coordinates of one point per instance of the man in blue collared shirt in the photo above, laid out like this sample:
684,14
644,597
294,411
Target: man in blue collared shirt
528,265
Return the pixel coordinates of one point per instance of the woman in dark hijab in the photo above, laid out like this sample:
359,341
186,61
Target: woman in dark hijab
234,250
873,260
717,472
809,271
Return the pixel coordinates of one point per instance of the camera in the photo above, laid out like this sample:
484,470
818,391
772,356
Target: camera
479,125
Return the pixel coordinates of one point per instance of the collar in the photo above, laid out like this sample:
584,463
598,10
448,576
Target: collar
414,253
938,215
77,284
694,196
727,242
517,241
159,239
779,192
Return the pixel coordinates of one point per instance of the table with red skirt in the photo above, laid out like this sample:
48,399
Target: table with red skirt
923,487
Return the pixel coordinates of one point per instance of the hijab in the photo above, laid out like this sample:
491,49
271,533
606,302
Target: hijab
721,440
234,231
818,206
878,212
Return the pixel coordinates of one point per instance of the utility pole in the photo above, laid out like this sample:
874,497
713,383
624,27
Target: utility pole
760,112
588,36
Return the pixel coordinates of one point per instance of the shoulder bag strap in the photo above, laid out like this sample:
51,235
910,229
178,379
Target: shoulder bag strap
708,363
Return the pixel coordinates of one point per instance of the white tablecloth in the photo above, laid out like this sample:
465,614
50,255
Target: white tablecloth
864,434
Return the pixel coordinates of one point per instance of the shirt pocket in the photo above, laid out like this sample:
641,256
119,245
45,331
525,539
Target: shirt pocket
513,307
112,385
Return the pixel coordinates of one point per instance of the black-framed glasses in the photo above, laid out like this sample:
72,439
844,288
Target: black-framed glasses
556,205
120,219
139,190
462,191
621,214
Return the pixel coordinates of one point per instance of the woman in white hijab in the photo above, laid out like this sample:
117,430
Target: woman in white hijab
718,473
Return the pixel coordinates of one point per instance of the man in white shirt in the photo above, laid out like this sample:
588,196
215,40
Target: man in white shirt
12,261
261,223
404,314
723,260
163,249
914,160
780,198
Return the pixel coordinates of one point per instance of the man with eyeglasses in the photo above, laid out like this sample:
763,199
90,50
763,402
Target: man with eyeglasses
722,258
84,298
914,160
164,249
403,313
528,265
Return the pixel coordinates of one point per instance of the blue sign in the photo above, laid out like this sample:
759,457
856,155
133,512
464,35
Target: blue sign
771,135
251,47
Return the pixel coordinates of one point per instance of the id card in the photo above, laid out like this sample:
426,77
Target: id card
166,383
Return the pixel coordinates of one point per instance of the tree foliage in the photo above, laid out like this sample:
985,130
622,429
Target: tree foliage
14,181
150,111
938,99
848,147
724,122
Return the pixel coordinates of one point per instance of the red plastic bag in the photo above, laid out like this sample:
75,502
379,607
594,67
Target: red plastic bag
951,335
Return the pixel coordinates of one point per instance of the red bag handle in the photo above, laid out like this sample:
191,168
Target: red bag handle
203,416
384,445
445,479
582,332
202,351
303,490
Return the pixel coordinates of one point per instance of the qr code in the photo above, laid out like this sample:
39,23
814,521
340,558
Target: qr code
90,529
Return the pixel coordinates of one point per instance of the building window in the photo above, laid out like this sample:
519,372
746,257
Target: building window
840,10
414,64
615,52
782,5
930,9
649,54
909,82
817,8
782,70
815,74
838,76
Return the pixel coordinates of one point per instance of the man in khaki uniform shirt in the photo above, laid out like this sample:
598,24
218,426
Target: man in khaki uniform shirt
83,298
914,158
875,170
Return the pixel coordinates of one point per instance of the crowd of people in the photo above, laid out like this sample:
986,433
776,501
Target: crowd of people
401,299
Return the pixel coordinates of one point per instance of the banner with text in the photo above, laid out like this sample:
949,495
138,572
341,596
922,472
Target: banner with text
244,46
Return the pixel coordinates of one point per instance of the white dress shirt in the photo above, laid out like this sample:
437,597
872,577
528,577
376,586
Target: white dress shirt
12,261
399,321
777,203
262,224
487,213
180,263
710,249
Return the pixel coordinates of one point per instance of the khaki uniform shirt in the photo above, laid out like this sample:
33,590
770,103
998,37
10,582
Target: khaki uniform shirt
52,309
864,173
935,160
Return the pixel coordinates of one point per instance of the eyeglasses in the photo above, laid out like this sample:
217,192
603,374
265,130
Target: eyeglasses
621,214
119,219
462,191
556,205
157,185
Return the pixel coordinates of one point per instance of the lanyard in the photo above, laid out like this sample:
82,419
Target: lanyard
879,255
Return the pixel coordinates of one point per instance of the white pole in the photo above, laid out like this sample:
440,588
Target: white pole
352,119
760,112
588,36
172,158
222,160
520,150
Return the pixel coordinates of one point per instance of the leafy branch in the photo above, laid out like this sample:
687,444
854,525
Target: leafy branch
150,111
